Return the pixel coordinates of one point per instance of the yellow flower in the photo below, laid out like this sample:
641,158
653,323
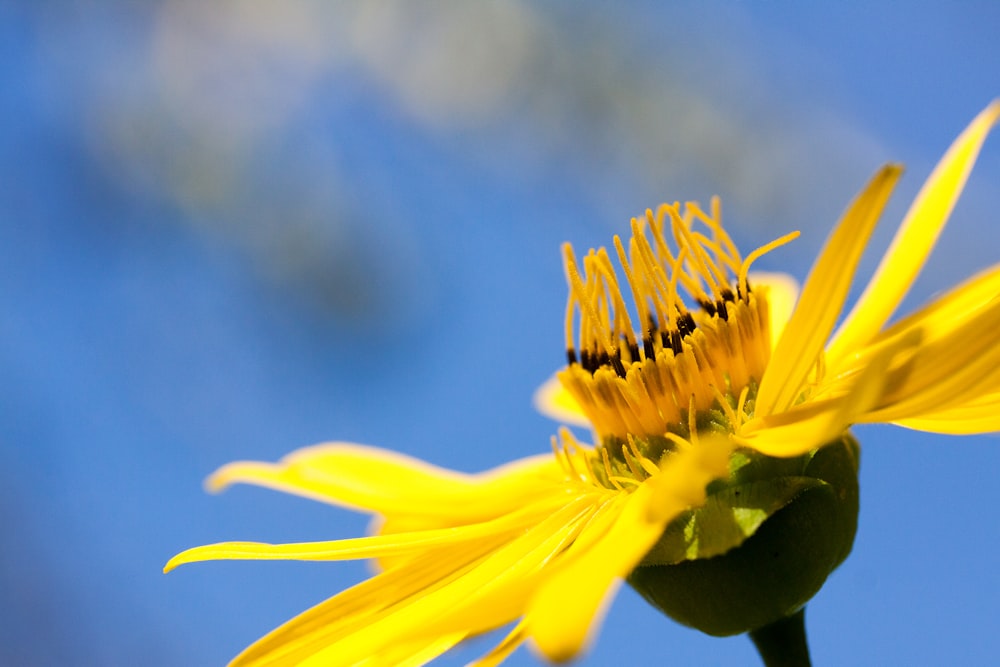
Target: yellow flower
677,391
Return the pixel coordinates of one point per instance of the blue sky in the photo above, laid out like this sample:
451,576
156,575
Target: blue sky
232,231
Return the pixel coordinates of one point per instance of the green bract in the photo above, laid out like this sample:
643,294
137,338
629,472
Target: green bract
761,546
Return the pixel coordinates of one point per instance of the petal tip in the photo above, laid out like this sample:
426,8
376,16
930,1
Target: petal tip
172,564
553,401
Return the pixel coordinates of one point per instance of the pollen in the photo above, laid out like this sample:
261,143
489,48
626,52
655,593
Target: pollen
676,348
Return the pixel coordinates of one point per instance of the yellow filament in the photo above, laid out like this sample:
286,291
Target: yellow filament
571,303
711,245
656,227
647,465
724,404
740,407
607,469
714,222
640,302
642,258
682,234
760,252
623,324
629,454
645,390
586,305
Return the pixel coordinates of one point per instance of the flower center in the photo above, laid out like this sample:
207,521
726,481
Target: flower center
685,370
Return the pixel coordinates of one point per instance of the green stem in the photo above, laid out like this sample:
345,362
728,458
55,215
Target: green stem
783,643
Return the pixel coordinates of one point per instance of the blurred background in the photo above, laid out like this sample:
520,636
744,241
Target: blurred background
232,229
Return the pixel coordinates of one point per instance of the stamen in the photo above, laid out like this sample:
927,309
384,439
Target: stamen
656,227
655,281
640,302
684,240
693,366
677,273
607,468
648,466
618,481
629,454
693,422
741,407
681,443
757,254
714,222
724,404
562,456
712,247
571,304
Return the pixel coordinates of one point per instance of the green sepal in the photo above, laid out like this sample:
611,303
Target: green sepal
776,570
728,517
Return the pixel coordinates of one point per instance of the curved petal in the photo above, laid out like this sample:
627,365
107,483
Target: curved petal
414,653
782,293
461,589
944,371
552,400
951,311
376,546
502,651
572,601
979,416
914,240
817,422
823,296
384,482
561,614
947,327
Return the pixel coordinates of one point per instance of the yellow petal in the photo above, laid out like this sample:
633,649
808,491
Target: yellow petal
552,400
942,323
573,600
414,653
561,614
782,290
944,371
822,297
485,595
502,651
914,240
379,546
817,422
951,311
979,416
380,481
353,609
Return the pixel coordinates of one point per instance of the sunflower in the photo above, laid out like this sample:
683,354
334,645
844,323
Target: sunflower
720,402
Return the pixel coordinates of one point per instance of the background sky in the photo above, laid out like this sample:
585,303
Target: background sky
232,229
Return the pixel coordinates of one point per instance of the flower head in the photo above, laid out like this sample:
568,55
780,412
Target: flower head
699,381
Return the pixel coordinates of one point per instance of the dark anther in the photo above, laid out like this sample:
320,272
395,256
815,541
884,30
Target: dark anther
587,361
571,356
647,346
723,313
616,363
676,342
685,324
603,359
633,351
707,306
727,294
